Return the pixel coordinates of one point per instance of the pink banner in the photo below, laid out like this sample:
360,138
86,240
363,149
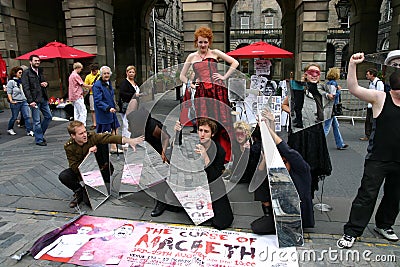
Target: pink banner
96,241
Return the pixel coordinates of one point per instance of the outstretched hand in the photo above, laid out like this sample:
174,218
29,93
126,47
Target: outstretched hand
135,141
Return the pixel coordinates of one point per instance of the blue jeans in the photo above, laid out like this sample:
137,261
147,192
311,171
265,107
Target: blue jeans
40,126
24,109
336,133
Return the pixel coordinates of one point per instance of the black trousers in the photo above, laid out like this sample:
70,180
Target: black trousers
368,122
298,105
375,172
70,179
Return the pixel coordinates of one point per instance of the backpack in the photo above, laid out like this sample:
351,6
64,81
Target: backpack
385,86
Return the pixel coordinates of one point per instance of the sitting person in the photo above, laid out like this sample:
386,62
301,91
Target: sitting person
208,149
246,153
299,171
77,147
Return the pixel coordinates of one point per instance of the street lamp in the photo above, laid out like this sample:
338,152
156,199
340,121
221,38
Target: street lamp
342,9
159,11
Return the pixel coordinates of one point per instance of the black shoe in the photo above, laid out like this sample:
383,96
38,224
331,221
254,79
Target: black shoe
343,147
41,144
173,208
264,225
158,209
77,198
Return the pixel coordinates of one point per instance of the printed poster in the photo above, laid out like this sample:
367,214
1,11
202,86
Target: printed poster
98,241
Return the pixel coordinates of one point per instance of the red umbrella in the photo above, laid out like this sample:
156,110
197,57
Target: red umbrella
56,50
260,50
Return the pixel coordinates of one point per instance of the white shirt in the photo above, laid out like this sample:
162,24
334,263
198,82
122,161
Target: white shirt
376,85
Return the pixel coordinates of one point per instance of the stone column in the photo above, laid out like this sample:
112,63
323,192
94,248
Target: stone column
89,28
288,36
311,34
395,26
364,22
14,33
212,14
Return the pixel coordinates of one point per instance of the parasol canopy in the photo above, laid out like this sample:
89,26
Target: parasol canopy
260,50
56,50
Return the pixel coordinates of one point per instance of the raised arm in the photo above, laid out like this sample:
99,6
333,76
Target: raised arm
370,96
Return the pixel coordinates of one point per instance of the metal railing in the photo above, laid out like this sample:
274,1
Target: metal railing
353,108
338,33
271,33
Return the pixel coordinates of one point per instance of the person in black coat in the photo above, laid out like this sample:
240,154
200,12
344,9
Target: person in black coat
214,156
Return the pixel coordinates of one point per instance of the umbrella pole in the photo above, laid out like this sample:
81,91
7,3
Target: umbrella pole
59,77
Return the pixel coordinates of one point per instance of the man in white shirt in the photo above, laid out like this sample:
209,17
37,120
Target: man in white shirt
376,84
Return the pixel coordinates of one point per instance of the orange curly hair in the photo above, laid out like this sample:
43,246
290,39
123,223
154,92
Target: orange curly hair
204,32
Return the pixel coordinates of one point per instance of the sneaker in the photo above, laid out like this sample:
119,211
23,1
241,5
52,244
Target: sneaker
11,132
364,138
30,133
346,241
387,233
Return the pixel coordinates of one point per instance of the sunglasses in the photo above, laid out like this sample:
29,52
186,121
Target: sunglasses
313,73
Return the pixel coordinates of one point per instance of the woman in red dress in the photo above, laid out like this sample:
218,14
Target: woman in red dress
211,98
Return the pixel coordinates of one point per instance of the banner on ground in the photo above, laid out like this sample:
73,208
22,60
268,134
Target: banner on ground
97,241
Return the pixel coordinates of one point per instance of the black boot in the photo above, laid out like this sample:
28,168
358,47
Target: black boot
158,209
77,198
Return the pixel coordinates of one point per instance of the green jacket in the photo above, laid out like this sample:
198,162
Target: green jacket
76,153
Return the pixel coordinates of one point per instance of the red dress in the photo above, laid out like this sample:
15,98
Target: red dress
209,100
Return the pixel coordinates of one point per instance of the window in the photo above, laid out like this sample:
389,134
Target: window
269,21
245,22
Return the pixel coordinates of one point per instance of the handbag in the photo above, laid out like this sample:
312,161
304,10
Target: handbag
337,109
124,107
